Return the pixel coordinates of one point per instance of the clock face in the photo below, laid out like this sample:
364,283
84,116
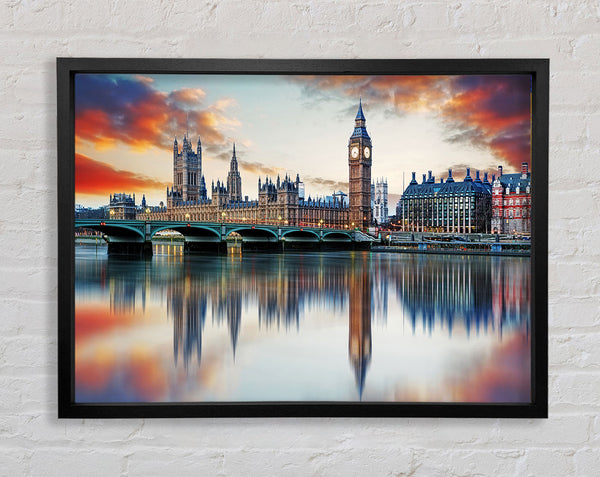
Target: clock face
367,152
354,152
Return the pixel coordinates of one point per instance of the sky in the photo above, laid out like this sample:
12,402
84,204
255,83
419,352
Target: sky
125,126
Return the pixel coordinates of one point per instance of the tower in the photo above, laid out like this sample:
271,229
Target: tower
234,180
187,171
359,162
379,196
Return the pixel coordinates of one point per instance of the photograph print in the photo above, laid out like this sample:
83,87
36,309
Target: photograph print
302,238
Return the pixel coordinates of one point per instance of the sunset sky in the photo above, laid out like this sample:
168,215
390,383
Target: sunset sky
125,125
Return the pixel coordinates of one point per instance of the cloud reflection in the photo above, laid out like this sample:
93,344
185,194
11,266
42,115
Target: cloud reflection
444,301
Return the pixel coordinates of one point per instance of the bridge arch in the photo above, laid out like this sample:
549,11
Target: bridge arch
254,233
301,235
337,236
191,232
117,231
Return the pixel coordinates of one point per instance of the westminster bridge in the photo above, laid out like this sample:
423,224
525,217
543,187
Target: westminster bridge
134,237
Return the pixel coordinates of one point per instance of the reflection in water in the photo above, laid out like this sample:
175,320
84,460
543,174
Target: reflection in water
359,328
467,337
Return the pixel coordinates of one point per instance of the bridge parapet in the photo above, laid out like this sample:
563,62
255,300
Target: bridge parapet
142,232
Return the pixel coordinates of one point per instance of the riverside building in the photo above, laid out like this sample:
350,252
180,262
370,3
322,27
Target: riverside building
447,206
511,202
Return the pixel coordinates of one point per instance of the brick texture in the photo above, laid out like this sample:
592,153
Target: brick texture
33,34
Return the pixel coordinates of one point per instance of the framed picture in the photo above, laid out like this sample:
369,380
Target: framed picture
302,237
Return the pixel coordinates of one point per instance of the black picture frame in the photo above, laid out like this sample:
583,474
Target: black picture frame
67,68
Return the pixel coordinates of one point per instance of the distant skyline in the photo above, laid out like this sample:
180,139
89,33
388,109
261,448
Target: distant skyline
125,126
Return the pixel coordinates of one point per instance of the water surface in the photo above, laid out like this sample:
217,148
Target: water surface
334,326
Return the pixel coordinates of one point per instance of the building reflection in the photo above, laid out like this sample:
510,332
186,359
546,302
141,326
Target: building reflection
477,294
186,306
467,293
359,328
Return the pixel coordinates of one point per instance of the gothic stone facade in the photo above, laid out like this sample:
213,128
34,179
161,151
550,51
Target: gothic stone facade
511,202
188,181
121,206
379,196
359,163
279,202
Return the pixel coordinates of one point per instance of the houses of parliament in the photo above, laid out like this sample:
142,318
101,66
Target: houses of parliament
280,201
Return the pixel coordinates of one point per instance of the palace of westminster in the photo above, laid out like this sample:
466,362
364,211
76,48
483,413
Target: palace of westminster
280,202
472,205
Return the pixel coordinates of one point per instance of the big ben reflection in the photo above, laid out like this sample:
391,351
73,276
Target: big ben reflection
359,312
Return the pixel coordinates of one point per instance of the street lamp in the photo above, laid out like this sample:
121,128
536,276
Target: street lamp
223,215
112,213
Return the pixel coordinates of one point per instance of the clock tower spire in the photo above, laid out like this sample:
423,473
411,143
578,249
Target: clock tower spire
359,163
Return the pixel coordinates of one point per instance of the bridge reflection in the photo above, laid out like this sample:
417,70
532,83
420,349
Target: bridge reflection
469,294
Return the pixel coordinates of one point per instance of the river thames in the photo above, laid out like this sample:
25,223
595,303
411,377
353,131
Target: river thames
313,326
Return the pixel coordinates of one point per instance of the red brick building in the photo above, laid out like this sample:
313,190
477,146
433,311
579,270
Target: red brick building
511,202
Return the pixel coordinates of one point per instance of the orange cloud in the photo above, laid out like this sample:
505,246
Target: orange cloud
95,177
404,93
128,110
188,95
494,114
490,111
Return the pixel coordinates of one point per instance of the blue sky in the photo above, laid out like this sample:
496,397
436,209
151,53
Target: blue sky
125,126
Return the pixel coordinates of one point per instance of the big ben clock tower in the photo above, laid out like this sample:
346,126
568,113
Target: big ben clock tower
359,162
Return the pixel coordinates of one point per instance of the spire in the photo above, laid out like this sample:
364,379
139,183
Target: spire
187,118
234,164
359,115
360,129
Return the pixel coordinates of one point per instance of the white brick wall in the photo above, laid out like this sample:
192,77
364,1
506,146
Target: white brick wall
33,33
